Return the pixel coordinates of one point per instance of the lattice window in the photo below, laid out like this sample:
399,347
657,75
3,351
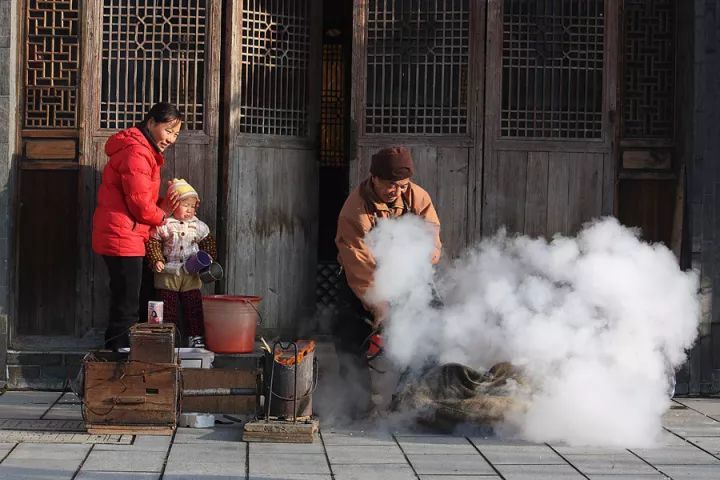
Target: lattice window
332,107
52,64
553,56
153,51
275,55
649,68
417,66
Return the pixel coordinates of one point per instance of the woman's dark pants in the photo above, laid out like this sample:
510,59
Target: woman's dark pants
125,279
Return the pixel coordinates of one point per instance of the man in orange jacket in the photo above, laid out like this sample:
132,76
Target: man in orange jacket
387,193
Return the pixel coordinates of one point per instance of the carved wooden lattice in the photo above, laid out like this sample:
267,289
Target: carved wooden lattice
152,51
332,107
52,64
649,68
417,66
553,56
275,55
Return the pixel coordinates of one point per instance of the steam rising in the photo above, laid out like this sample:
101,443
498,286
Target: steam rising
598,323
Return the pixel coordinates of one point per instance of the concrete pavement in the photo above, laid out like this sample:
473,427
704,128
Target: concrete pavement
41,437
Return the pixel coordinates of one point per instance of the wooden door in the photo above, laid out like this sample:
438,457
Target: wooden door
48,237
550,112
649,157
137,54
272,96
417,81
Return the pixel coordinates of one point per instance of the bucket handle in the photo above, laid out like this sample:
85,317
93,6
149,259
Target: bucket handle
260,319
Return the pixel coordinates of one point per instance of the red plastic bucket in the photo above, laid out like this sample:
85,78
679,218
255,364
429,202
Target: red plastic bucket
230,322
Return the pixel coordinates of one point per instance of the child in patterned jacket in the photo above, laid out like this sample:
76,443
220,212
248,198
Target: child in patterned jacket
170,245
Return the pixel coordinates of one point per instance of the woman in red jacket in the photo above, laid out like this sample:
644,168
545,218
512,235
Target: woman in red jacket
127,206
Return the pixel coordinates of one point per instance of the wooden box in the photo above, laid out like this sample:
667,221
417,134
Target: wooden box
153,343
201,378
130,397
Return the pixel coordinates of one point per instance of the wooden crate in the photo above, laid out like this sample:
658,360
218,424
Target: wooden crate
130,397
153,343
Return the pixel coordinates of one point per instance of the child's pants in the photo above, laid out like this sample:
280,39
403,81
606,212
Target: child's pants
191,302
185,290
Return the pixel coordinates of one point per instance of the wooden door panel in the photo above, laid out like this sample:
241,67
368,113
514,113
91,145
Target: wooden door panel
48,252
542,193
273,88
418,82
549,115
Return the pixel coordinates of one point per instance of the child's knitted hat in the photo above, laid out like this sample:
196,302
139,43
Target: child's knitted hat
183,189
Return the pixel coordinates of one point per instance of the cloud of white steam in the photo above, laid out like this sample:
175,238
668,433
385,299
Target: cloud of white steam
596,322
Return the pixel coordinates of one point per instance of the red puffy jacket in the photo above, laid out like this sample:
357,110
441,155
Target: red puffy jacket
128,196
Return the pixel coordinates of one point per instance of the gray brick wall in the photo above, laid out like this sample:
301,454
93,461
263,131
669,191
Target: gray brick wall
6,173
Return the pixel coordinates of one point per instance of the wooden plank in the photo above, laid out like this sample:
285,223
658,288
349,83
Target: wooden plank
56,165
647,159
219,378
426,168
511,180
490,193
585,189
558,194
451,200
281,431
536,194
61,149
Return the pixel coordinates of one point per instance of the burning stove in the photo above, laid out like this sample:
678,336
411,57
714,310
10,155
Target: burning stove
289,378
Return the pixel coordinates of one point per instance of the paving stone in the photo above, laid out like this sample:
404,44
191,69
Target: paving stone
69,397
203,435
29,398
446,445
635,476
37,461
291,476
479,441
681,455
5,449
385,472
585,450
458,477
64,412
691,472
85,475
218,460
451,464
706,406
276,448
539,472
281,464
521,455
621,464
357,438
704,430
668,439
31,412
362,454
144,443
124,461
710,444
